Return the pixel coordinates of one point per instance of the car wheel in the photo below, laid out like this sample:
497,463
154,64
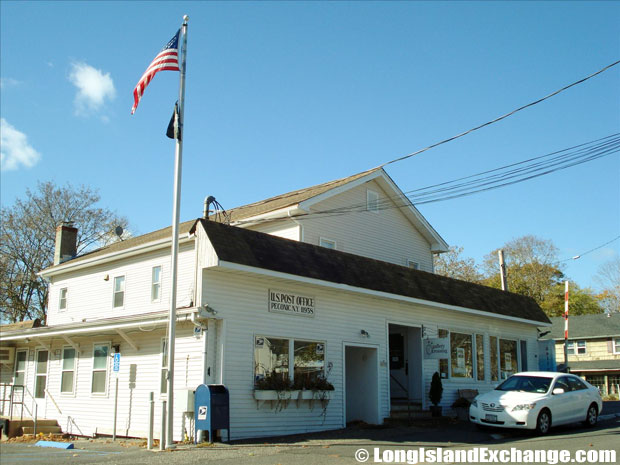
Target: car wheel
543,423
591,416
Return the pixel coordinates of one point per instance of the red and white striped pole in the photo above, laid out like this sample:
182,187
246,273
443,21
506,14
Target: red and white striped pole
566,326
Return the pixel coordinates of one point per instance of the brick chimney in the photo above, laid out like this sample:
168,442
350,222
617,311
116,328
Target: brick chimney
66,242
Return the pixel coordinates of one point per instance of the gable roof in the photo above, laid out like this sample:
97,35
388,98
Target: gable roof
586,326
259,250
291,198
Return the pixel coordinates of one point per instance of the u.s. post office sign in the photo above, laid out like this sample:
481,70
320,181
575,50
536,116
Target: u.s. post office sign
291,303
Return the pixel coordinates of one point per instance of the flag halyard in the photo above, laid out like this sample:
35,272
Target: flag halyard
166,60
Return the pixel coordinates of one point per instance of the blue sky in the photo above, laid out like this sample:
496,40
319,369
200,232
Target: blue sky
284,95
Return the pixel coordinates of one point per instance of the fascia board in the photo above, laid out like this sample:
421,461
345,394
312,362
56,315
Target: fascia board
386,295
306,204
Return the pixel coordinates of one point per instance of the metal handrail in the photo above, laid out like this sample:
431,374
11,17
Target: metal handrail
407,393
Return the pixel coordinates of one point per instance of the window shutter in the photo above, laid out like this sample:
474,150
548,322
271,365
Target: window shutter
610,346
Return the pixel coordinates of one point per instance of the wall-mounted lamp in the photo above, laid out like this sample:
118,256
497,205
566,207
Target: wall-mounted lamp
106,277
364,333
208,309
116,348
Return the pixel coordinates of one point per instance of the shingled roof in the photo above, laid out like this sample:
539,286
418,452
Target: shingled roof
290,198
259,250
599,325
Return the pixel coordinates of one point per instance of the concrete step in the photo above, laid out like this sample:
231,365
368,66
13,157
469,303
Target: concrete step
413,414
42,429
404,407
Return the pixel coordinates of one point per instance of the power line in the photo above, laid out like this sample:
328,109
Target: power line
589,251
501,117
483,181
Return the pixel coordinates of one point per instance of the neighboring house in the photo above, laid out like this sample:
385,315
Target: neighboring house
593,348
345,291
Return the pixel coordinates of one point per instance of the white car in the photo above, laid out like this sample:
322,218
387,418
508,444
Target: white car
537,400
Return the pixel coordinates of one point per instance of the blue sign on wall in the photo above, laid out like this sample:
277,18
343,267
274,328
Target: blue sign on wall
117,362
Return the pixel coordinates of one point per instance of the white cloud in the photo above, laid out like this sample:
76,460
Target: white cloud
15,151
8,82
94,87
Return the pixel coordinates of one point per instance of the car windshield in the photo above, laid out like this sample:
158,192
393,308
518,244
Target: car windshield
538,384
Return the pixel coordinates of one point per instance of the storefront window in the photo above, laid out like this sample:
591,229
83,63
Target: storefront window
461,361
508,357
480,357
309,362
493,349
271,357
443,363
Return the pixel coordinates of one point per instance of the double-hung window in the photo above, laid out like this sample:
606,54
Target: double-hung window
20,367
41,374
100,368
119,291
156,284
62,299
616,345
67,378
576,347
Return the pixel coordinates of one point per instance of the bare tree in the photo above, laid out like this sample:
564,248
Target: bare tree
27,236
608,277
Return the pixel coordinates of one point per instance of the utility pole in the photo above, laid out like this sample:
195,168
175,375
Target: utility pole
502,269
566,326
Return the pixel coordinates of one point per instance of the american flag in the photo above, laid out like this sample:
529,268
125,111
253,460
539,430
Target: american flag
166,60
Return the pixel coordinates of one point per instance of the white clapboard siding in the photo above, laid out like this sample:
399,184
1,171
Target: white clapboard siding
384,235
84,413
340,316
284,228
89,294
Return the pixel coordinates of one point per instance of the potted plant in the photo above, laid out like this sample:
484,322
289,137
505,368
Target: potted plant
435,394
461,405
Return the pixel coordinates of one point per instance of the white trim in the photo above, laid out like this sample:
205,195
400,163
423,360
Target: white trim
360,290
160,283
60,299
100,326
107,344
306,204
120,307
72,265
327,240
74,370
376,347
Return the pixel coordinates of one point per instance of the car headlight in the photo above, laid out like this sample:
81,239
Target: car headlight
524,407
474,403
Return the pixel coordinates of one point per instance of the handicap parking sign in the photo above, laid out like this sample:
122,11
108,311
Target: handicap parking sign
117,362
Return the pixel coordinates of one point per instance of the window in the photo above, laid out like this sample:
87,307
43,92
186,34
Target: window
507,358
412,264
616,345
309,361
494,360
563,384
372,201
163,379
327,243
479,357
100,368
62,299
20,367
581,347
576,384
443,362
461,362
156,284
67,377
41,374
273,357
119,291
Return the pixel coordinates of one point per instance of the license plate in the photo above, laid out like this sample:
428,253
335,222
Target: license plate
490,417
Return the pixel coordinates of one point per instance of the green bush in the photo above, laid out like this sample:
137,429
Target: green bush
436,389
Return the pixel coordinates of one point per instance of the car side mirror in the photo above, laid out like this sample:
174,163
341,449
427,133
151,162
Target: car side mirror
557,391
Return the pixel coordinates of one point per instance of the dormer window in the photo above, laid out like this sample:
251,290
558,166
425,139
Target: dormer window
327,243
413,265
372,201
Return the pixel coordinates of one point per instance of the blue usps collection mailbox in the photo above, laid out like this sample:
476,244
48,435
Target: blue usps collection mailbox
211,410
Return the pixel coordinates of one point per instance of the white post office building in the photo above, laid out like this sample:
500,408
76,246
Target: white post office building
333,281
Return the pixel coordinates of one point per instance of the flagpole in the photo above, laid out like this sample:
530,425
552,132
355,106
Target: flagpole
175,242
